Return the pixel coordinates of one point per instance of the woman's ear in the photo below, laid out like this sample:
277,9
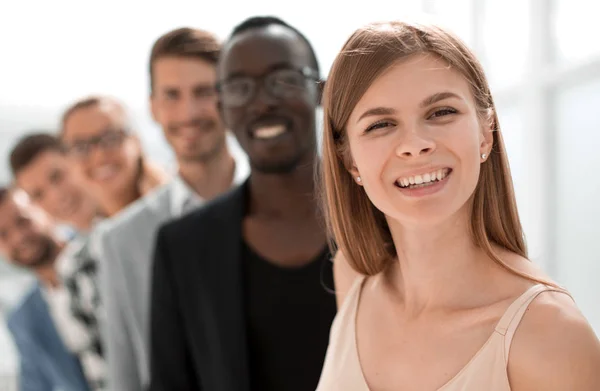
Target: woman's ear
487,132
353,170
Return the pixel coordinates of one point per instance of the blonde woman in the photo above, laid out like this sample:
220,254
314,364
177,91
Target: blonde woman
420,201
109,158
98,135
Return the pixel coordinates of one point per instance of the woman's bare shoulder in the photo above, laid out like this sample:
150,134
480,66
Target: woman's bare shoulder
554,347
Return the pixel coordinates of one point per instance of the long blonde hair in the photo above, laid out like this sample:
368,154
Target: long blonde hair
356,227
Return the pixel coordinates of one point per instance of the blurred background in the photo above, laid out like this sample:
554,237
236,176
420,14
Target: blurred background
541,56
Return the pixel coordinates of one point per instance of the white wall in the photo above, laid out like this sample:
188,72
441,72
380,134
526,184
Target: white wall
578,193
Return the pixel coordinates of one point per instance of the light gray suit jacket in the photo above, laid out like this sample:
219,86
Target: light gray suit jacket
124,246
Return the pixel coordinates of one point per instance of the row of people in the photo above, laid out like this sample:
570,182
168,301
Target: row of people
220,278
106,196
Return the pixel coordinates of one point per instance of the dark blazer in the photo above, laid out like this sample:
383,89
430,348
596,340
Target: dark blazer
46,364
198,335
197,327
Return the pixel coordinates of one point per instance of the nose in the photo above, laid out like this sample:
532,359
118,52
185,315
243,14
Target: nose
95,155
54,195
262,101
18,236
414,143
189,107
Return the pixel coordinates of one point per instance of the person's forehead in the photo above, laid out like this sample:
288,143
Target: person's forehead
172,70
258,49
93,118
43,164
49,159
101,112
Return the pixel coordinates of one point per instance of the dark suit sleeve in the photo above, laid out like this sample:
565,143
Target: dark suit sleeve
170,362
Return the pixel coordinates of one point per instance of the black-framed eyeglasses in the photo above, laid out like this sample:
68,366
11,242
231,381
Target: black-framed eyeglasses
281,83
107,140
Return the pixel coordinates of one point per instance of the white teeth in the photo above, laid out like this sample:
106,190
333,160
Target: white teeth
269,131
424,179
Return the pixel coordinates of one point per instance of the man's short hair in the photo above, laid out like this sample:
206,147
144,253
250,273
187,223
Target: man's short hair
185,42
264,21
29,147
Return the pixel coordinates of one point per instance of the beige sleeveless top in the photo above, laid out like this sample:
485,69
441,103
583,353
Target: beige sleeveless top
487,370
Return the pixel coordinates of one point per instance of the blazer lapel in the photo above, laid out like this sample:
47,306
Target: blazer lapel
228,285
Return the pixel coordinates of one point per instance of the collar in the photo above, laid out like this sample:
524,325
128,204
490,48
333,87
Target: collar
184,198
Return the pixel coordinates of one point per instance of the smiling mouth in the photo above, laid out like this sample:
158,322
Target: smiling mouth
269,127
269,132
424,180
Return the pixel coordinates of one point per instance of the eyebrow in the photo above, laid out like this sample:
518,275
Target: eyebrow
438,97
377,111
201,85
426,102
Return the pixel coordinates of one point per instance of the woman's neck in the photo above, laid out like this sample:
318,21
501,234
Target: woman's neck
116,203
436,265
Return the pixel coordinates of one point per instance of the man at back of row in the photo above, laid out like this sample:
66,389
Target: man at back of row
41,324
239,293
183,101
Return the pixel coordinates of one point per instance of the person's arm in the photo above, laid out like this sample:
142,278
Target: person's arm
170,362
119,350
554,348
31,378
343,276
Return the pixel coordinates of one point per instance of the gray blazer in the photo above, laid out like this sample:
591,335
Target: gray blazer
123,246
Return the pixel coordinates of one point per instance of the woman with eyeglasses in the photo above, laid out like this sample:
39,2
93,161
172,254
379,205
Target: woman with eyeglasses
97,134
109,156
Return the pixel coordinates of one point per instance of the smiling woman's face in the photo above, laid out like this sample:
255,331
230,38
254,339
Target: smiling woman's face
416,141
105,152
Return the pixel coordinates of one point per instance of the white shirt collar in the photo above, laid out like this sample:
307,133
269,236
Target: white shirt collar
184,198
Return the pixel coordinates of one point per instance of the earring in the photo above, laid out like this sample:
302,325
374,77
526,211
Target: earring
358,179
483,156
